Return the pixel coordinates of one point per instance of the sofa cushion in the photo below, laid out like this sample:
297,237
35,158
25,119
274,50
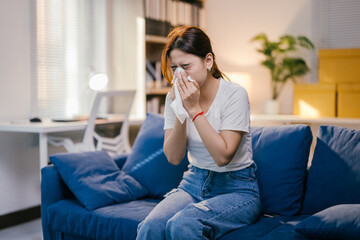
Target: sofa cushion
147,162
281,154
120,160
337,222
65,236
334,175
279,227
118,221
95,179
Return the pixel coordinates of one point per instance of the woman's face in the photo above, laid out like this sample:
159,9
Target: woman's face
193,65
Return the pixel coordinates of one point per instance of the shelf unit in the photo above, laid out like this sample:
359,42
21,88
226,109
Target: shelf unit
160,17
155,39
158,91
156,87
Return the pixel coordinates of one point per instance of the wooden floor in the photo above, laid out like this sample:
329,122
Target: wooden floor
26,231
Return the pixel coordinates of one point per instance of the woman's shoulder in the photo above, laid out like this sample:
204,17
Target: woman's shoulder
232,88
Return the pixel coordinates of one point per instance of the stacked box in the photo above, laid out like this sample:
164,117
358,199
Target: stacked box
338,92
348,100
342,66
339,66
315,100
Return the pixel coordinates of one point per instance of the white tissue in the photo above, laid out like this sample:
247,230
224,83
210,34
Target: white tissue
177,105
179,69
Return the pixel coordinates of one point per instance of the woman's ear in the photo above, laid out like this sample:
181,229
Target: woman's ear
209,61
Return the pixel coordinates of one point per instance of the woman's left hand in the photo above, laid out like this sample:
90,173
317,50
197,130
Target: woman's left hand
189,93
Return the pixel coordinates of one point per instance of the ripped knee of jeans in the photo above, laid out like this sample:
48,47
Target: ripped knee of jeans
201,206
171,192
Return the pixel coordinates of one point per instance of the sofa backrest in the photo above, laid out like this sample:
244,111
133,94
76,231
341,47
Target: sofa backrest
281,154
334,175
147,162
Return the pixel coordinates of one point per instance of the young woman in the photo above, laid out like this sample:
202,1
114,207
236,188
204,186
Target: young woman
219,192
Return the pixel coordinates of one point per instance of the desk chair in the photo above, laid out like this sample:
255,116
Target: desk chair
92,141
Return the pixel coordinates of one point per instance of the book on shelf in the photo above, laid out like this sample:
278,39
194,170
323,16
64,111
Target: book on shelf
152,105
158,75
155,105
157,27
162,15
154,77
150,69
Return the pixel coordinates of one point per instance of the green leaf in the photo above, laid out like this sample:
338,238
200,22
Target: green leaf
261,37
268,64
267,51
269,48
287,43
305,42
295,67
282,68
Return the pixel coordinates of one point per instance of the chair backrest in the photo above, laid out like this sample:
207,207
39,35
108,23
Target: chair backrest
120,143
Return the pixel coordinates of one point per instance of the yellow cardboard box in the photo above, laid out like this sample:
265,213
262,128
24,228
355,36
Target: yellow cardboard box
348,104
339,65
315,100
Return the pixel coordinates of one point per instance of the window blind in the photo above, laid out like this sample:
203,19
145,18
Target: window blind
335,24
63,57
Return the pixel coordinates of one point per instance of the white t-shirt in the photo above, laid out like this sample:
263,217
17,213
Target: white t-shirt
229,111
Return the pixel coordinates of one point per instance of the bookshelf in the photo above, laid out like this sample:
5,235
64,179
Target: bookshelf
155,39
160,17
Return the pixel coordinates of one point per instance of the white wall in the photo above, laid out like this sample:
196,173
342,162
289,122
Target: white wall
19,157
231,24
19,165
127,50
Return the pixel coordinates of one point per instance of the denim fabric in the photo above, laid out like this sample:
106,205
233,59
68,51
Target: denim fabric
206,205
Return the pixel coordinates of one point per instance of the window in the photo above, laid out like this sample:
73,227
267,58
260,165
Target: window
65,49
335,25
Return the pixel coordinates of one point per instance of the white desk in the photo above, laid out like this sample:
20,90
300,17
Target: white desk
293,119
313,122
46,127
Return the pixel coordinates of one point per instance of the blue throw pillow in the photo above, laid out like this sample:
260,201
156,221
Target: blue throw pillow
334,175
95,179
337,222
281,154
147,162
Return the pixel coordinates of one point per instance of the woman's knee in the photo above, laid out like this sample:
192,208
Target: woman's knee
177,227
151,228
184,226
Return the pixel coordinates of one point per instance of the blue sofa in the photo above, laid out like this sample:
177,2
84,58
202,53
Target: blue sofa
91,196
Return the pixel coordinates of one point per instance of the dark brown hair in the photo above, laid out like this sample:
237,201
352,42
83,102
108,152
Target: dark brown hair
191,40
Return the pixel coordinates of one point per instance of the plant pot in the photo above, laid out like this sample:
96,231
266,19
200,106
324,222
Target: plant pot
272,107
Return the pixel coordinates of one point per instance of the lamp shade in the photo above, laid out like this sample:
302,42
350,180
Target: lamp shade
98,81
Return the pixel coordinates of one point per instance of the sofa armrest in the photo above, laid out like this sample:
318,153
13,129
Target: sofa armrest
120,160
53,189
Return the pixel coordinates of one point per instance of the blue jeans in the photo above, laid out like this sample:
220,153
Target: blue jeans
206,205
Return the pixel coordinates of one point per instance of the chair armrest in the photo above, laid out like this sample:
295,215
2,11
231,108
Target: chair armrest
120,160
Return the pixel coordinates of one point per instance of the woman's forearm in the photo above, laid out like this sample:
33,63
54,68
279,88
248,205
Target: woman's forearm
175,143
222,147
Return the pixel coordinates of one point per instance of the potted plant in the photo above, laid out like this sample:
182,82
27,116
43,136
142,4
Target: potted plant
282,67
